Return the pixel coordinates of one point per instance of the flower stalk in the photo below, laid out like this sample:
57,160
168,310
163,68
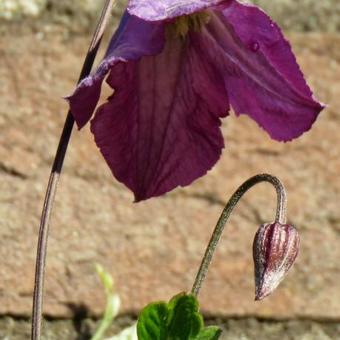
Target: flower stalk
54,179
280,217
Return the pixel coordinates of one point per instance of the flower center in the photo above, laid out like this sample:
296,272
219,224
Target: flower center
182,25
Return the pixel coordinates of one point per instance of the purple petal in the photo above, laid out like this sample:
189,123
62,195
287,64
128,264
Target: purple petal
262,77
133,39
160,129
157,10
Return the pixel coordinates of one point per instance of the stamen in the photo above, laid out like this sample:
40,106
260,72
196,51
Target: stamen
182,25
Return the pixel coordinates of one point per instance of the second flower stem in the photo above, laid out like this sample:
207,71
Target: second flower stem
216,235
54,179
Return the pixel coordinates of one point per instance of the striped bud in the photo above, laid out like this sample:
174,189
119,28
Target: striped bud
275,249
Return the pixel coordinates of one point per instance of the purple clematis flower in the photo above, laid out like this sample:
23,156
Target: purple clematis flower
176,67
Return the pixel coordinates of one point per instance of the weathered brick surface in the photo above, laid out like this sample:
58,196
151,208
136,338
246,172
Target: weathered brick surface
153,248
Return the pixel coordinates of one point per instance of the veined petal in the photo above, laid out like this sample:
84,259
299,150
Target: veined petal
261,75
157,10
160,129
133,39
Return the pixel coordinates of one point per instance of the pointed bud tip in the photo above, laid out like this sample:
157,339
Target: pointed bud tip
262,291
259,295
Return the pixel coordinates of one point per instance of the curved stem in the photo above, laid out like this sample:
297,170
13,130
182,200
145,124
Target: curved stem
279,217
54,179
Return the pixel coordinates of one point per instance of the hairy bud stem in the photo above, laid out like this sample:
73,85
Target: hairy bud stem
280,218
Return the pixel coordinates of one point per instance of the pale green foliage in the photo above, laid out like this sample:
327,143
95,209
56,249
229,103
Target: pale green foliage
10,9
111,310
129,333
112,303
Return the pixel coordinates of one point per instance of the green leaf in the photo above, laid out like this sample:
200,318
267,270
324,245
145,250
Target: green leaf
177,320
184,320
152,322
209,333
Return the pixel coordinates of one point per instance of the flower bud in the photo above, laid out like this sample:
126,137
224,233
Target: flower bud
275,249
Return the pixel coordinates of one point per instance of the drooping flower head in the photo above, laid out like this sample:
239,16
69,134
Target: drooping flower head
176,68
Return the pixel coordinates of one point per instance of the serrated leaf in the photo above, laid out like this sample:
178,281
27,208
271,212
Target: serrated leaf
177,320
209,333
184,320
152,322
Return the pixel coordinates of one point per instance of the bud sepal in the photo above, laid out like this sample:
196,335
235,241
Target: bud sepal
275,249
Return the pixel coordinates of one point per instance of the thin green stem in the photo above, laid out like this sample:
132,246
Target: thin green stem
54,179
112,303
280,217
